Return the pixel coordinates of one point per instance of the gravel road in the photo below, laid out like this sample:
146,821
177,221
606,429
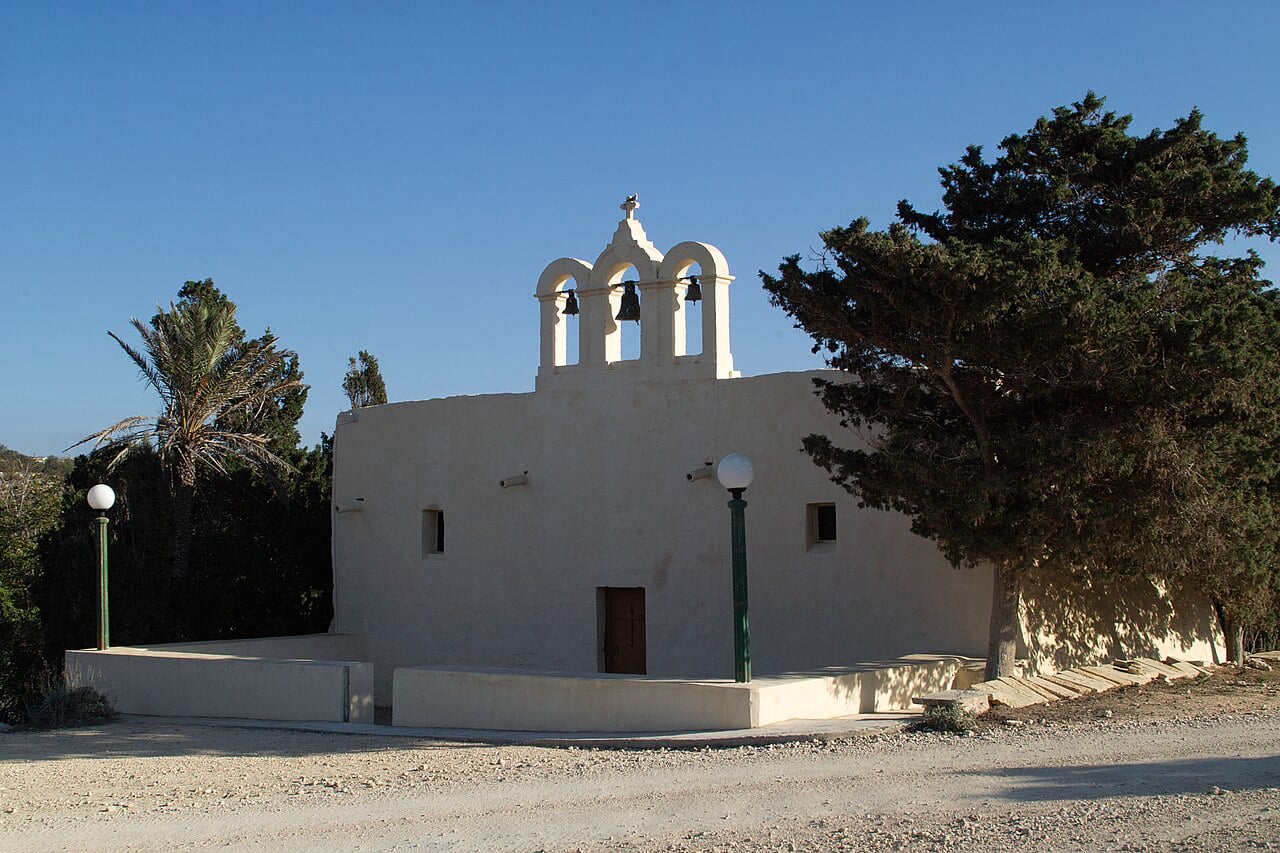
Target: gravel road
1189,784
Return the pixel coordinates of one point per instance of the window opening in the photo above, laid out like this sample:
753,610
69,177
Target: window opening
821,522
432,531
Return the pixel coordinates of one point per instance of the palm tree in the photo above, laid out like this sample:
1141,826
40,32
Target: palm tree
194,355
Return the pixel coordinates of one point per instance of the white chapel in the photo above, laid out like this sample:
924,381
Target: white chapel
574,528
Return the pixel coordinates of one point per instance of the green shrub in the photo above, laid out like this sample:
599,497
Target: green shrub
946,718
65,706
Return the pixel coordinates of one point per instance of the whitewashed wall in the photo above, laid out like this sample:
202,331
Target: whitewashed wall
608,504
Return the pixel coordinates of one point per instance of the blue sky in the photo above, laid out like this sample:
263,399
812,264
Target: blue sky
394,176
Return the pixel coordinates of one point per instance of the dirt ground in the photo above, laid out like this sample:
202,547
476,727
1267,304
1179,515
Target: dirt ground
1184,767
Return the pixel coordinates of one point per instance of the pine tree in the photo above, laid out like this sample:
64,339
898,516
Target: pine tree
1052,372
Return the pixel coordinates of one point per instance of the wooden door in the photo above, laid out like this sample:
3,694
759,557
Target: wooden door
624,645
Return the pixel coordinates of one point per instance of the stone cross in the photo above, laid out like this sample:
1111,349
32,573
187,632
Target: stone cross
629,206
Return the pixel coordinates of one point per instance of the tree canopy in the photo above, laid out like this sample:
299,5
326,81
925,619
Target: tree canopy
363,382
255,537
216,389
1053,370
30,493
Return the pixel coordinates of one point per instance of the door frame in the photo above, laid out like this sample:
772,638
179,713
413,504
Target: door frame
602,626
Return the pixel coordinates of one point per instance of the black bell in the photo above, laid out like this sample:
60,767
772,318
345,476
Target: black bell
571,305
694,293
630,309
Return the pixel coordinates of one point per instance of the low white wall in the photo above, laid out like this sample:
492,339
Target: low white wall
505,699
864,688
484,698
252,679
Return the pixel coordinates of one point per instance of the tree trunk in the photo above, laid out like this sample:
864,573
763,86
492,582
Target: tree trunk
1235,641
1232,632
178,597
1006,593
183,499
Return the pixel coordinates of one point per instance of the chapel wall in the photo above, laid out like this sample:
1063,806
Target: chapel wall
608,504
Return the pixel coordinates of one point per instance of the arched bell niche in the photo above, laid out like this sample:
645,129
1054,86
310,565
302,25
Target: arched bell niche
613,350
710,319
561,332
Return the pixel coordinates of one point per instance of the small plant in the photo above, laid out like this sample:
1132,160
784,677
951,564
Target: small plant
65,705
955,719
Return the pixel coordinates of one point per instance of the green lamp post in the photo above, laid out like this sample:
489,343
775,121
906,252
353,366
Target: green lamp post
735,473
101,498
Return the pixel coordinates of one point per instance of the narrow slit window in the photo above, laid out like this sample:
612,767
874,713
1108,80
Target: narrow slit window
432,531
821,523
826,523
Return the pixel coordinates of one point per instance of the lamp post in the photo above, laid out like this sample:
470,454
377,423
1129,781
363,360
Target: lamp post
101,498
734,473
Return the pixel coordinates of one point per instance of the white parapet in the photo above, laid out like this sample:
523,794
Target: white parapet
521,700
274,678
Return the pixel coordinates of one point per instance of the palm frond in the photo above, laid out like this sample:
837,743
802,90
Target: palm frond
154,378
193,356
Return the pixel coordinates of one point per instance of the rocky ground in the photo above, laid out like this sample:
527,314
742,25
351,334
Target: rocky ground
1188,766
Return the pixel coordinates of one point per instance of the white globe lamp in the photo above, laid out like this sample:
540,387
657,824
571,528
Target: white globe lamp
734,472
102,497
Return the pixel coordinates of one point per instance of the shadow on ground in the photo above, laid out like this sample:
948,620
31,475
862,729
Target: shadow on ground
1101,781
130,739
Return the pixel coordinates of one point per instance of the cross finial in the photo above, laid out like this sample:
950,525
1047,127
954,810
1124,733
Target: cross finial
629,206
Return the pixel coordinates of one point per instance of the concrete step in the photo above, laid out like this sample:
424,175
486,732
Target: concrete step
1019,691
1162,668
1058,690
1120,677
1187,669
1004,692
975,701
1029,686
1083,683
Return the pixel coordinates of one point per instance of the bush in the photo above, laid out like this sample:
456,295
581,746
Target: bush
954,719
65,705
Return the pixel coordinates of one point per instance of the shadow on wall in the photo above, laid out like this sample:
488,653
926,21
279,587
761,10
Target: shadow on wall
891,685
1068,621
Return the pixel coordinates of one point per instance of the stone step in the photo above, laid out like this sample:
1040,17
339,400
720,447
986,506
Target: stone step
1100,684
976,701
1086,683
1019,691
1027,685
1119,676
1015,683
1187,669
1162,668
1001,693
1058,690
1078,686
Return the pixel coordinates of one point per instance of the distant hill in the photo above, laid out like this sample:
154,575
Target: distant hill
13,462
